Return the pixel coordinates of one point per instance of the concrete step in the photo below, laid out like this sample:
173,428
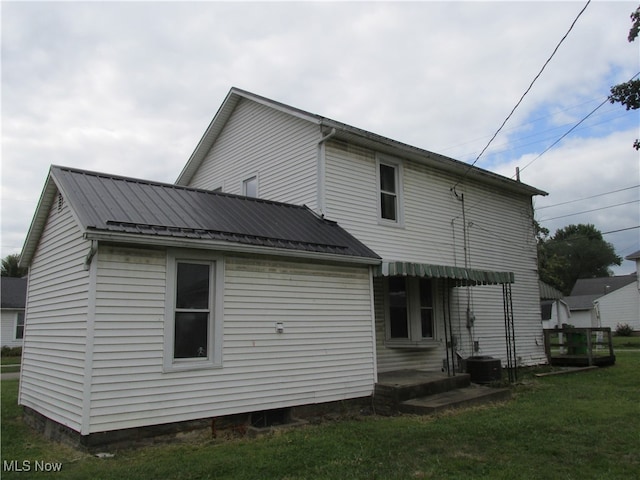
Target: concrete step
398,386
460,398
407,384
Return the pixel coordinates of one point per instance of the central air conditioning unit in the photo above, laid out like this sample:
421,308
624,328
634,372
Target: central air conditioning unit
484,369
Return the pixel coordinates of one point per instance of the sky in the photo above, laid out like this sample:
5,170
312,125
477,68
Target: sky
129,88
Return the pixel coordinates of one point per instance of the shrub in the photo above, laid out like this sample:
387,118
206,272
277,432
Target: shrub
624,330
11,351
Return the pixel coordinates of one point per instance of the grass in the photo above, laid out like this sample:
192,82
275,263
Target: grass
626,342
10,364
580,426
10,359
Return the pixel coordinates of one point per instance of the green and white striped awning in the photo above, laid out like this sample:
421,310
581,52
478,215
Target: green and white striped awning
460,275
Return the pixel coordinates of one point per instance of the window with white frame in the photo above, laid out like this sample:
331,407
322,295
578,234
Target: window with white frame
250,187
20,326
192,312
390,191
409,310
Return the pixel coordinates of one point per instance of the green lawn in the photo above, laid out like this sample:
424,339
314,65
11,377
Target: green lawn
10,364
626,342
579,426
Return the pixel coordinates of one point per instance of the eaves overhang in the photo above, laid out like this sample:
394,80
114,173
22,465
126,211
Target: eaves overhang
38,221
458,168
224,246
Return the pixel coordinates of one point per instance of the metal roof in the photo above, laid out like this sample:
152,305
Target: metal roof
118,205
548,292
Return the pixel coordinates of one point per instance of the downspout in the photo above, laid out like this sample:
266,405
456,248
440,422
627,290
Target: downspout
321,171
92,251
92,267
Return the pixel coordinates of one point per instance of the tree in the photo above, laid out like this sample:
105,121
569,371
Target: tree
11,268
575,251
628,93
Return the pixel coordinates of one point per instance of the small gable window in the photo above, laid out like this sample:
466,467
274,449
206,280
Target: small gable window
250,187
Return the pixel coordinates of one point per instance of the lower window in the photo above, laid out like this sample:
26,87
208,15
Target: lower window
192,327
410,310
192,309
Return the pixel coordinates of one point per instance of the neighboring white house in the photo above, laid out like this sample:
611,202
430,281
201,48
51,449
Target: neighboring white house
605,302
13,295
153,304
621,306
555,311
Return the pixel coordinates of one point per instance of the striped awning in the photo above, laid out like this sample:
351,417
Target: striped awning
460,275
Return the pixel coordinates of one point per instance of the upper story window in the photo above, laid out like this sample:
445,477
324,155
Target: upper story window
250,187
410,311
390,192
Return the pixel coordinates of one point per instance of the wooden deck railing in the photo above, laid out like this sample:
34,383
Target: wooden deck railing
579,346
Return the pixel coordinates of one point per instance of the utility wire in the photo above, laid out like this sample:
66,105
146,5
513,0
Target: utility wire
564,135
589,211
586,198
523,95
530,122
606,100
589,236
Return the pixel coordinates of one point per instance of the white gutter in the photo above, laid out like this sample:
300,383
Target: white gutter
222,246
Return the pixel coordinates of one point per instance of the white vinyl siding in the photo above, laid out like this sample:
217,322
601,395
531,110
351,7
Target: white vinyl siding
620,306
257,140
52,373
8,333
501,238
325,352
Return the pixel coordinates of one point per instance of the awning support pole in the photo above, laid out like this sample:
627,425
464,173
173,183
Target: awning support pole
448,330
510,336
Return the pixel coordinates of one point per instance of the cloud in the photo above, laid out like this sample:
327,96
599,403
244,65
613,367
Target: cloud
129,88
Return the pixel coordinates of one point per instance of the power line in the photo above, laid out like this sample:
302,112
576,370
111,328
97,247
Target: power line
589,211
606,100
586,198
620,230
530,122
523,95
579,237
565,134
